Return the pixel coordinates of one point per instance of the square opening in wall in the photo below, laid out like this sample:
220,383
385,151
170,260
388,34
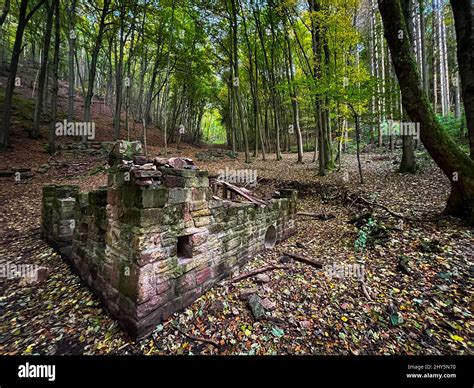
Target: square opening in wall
185,249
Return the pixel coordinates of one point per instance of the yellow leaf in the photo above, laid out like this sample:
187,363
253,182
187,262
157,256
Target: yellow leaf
344,318
457,338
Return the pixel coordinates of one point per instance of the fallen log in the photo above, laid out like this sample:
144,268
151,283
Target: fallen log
193,337
304,260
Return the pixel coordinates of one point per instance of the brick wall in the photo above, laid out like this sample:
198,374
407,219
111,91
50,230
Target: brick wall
156,238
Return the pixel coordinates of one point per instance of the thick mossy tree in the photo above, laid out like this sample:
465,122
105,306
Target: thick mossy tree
455,163
463,11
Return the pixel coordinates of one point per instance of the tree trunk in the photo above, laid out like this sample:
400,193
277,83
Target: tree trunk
54,103
408,162
93,65
119,74
72,47
236,81
294,101
463,11
43,72
426,84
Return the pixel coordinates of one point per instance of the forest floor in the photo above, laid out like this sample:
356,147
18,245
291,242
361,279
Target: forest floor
428,311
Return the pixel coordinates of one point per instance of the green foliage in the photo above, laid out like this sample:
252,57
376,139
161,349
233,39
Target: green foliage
451,124
364,233
212,128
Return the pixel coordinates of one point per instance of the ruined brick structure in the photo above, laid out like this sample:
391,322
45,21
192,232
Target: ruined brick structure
156,238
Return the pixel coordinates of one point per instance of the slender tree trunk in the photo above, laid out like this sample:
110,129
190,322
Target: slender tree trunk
408,162
372,46
294,101
444,56
72,47
93,65
119,74
43,71
167,80
435,56
426,84
236,81
54,103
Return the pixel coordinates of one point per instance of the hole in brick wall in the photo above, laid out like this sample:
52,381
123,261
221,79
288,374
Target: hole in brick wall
270,237
185,250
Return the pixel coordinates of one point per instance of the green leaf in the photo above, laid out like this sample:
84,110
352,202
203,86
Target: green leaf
277,332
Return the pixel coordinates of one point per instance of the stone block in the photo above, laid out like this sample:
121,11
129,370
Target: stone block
203,275
179,195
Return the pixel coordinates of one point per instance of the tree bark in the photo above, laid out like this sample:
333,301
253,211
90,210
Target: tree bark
119,73
72,47
463,11
54,103
43,72
236,81
408,162
294,101
93,65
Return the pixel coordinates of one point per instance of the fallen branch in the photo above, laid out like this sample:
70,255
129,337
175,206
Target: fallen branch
398,215
392,213
194,338
255,272
244,193
364,290
320,216
305,260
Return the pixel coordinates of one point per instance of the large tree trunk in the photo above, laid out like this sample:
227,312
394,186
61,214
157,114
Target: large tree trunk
463,11
457,166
